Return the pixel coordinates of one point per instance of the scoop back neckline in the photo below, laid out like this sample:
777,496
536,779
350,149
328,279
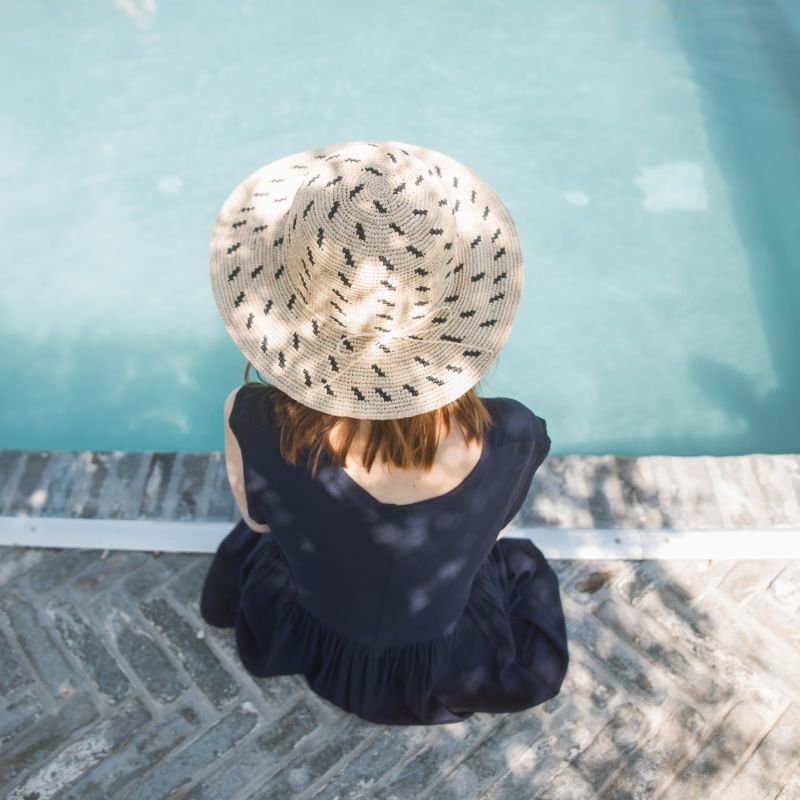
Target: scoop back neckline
357,488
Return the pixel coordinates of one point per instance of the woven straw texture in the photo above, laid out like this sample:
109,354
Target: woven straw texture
373,280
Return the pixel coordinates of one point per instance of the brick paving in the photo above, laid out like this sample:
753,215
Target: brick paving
684,680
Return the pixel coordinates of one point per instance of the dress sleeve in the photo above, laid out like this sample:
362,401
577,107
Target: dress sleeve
536,454
254,482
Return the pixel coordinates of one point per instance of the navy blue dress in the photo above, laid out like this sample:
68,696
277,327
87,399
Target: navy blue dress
401,614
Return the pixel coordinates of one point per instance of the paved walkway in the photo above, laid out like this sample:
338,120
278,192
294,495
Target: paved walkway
684,680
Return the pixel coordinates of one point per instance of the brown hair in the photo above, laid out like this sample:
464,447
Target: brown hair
405,443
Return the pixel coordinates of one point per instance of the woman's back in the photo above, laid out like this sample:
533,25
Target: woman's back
454,461
345,576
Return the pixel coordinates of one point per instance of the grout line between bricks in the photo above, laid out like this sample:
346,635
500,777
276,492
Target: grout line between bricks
769,724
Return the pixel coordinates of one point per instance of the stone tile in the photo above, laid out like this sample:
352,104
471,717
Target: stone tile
527,773
637,582
606,501
157,482
45,738
775,619
552,705
659,481
187,585
569,784
255,762
16,561
714,637
275,690
142,652
741,500
444,747
221,503
60,567
713,766
64,469
785,587
193,653
19,714
13,674
182,767
791,790
654,763
563,568
177,561
152,574
12,464
509,736
36,641
359,777
591,581
628,668
30,490
123,488
81,639
791,465
106,569
88,504
641,506
646,636
83,753
191,490
622,734
313,761
761,775
80,485
692,578
128,764
699,504
584,679
774,475
562,493
736,633
746,579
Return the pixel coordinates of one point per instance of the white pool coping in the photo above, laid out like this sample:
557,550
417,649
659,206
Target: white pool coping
568,543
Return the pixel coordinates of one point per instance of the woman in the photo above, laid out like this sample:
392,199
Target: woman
374,283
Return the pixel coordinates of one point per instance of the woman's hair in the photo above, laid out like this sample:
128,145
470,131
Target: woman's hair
405,443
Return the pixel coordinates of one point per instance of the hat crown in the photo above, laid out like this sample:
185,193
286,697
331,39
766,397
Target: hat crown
369,240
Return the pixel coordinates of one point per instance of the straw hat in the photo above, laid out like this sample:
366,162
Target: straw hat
374,280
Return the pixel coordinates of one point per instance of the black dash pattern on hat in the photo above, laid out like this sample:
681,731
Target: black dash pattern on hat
373,280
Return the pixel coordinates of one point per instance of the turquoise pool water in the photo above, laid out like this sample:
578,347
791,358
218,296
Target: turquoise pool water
649,151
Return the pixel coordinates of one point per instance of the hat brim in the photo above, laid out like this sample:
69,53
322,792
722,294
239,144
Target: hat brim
295,349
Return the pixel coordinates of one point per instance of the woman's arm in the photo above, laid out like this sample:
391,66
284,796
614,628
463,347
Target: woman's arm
235,468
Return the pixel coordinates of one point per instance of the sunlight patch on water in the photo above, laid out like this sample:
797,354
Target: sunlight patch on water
673,187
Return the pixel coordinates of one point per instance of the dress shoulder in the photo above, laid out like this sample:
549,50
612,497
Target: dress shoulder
251,408
518,422
527,431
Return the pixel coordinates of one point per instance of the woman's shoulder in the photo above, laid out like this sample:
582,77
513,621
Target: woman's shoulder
514,421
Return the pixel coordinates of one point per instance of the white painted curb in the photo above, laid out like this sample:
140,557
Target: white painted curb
570,543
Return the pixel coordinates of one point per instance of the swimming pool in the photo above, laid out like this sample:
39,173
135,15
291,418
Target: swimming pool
647,150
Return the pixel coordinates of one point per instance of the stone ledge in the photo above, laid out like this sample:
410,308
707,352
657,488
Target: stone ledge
571,491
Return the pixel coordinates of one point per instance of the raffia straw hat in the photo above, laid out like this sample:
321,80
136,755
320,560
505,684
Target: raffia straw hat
373,280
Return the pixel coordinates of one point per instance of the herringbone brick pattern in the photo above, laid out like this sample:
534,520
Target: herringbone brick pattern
684,683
